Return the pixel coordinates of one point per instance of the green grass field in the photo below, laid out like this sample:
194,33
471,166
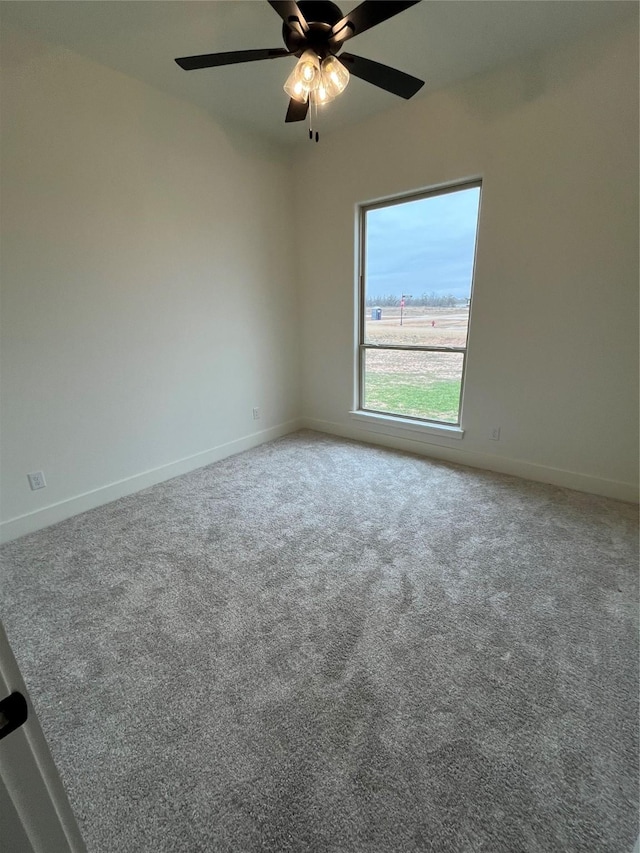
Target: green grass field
408,395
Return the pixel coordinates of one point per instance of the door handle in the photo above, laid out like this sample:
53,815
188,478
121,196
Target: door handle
13,713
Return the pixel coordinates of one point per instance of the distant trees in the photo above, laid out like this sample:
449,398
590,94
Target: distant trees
429,300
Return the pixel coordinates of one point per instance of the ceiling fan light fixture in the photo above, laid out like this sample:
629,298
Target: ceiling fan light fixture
304,78
319,96
334,76
333,80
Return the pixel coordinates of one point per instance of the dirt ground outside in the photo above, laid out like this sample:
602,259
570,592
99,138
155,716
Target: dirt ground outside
421,326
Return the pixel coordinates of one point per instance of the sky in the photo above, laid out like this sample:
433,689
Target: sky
422,246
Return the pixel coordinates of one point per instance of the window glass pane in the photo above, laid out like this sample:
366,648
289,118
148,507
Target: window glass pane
418,269
415,384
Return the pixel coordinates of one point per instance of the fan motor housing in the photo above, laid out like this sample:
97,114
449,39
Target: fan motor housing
320,15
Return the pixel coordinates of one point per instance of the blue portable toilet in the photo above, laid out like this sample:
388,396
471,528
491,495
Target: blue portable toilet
376,313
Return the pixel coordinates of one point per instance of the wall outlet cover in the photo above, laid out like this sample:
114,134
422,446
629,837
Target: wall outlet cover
37,480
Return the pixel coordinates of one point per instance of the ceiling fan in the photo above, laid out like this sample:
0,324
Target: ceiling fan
315,32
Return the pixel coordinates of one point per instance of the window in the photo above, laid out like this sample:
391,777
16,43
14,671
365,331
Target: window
416,263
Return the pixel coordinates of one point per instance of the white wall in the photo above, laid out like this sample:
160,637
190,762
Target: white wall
553,350
148,290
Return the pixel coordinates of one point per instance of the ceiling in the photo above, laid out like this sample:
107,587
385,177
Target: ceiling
440,41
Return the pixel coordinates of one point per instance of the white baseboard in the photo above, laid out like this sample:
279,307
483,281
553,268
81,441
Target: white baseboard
487,461
32,521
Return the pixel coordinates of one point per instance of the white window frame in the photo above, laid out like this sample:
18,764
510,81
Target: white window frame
387,422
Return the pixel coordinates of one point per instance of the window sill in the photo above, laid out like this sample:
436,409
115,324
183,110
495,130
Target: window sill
416,430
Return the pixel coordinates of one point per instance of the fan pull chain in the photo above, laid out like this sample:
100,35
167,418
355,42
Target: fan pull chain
312,106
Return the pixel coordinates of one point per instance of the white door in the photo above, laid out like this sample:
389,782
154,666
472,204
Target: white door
35,815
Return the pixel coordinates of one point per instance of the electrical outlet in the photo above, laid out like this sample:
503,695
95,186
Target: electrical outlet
37,480
495,433
256,413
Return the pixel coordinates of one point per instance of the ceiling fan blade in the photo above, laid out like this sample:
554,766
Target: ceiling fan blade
297,111
365,16
291,15
210,60
394,81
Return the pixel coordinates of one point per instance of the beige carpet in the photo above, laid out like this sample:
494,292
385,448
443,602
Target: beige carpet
323,646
